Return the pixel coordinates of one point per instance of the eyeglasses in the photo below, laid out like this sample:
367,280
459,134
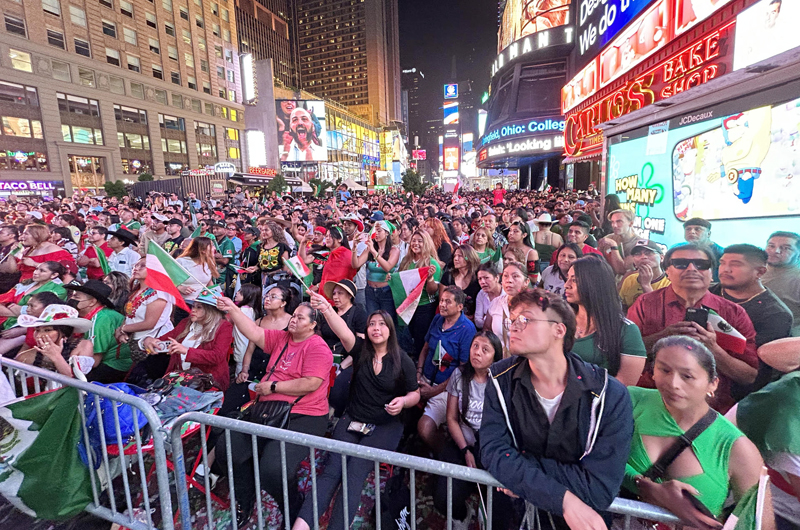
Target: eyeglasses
273,297
522,322
683,263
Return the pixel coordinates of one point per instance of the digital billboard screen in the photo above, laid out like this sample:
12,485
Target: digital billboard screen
526,17
450,112
419,154
451,158
765,30
302,135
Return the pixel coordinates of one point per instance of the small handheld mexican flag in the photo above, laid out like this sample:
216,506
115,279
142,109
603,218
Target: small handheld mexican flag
407,289
165,274
300,270
439,354
101,257
727,337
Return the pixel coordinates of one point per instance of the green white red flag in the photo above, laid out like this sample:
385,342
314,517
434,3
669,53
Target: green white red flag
407,288
101,257
165,274
727,337
300,270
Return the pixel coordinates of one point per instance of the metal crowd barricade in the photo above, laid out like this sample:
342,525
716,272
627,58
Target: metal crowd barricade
627,508
130,453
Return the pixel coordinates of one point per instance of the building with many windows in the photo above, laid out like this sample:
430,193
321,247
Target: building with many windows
102,90
350,53
264,28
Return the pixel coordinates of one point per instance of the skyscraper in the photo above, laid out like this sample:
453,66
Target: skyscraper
265,30
350,52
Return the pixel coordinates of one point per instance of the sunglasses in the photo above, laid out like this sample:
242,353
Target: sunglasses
699,264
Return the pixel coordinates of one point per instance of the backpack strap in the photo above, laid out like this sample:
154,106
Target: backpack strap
659,468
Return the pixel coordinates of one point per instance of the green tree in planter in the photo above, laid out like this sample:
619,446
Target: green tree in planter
413,183
145,177
115,189
278,184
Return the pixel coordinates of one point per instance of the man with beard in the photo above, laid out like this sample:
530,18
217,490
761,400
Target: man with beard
783,272
304,144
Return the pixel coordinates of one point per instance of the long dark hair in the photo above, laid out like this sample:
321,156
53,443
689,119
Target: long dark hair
599,297
468,371
251,297
392,349
338,235
574,248
387,246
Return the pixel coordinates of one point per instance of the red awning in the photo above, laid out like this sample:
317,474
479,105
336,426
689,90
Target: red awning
583,158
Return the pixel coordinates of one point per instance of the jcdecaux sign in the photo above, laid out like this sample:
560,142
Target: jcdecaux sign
523,128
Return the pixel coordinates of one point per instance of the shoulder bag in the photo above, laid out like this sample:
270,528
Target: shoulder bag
270,413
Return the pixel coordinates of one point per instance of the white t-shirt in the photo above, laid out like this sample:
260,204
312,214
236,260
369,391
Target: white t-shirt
471,423
498,310
191,340
550,406
200,273
240,342
162,326
552,281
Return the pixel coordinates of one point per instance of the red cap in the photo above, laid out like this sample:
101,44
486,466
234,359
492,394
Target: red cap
321,229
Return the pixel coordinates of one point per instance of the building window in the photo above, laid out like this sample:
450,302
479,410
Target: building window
31,161
129,35
134,64
116,85
207,129
82,48
161,96
177,101
172,53
231,76
86,77
158,73
78,105
229,55
206,87
206,150
201,43
20,60
130,115
155,47
167,5
226,35
225,15
22,127
220,72
221,93
187,36
109,28
52,7
215,8
197,106
209,109
234,115
81,135
203,65
191,82
171,122
18,94
151,20
218,51
184,13
112,57
169,29
107,3
215,29
198,20
78,16
126,8
137,90
56,38
175,77
15,25
232,95
61,71
232,134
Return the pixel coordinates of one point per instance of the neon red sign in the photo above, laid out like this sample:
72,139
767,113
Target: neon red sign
698,63
266,171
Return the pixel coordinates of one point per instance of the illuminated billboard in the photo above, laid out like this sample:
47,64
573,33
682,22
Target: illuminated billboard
419,154
450,112
451,91
526,17
302,135
765,30
451,157
688,13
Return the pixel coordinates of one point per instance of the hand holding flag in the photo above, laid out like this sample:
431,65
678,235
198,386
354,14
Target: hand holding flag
299,268
164,273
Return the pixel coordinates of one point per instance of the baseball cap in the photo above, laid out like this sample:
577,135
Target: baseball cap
175,222
649,245
162,218
697,221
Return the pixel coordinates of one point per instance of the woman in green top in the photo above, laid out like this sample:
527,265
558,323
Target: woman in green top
381,258
46,278
720,458
483,243
422,254
603,336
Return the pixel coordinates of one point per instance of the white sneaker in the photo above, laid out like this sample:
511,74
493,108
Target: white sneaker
464,524
201,473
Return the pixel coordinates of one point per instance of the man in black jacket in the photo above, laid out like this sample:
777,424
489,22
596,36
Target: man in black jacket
556,431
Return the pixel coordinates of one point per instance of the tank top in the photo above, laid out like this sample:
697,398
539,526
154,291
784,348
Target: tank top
712,447
375,272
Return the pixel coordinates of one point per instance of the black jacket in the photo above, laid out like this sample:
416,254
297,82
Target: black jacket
587,459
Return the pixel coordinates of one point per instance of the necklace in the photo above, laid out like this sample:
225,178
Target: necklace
733,299
376,361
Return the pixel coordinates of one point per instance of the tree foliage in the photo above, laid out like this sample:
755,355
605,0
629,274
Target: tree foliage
413,182
320,186
145,177
278,184
115,189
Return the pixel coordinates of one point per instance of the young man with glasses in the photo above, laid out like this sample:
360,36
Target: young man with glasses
556,430
96,238
663,313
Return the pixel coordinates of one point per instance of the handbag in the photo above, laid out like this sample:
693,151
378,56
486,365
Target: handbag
270,413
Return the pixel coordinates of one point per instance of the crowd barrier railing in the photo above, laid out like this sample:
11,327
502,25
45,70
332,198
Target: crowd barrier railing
627,508
122,460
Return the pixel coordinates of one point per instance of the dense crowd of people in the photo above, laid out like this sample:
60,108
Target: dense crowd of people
550,345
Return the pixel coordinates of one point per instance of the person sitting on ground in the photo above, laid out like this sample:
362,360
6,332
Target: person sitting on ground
465,391
489,280
663,313
555,276
649,276
446,348
463,273
546,440
55,334
199,341
302,363
741,268
604,336
46,278
721,457
383,384
92,302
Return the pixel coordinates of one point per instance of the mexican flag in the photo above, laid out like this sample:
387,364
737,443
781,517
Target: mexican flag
300,269
407,288
727,337
101,257
41,473
164,273
439,354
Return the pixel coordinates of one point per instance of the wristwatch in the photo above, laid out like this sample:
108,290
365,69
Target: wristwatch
273,387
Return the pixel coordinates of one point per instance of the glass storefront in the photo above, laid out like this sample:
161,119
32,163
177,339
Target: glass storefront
87,173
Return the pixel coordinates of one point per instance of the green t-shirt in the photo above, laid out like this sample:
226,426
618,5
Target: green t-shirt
133,225
426,298
50,287
115,355
632,344
227,250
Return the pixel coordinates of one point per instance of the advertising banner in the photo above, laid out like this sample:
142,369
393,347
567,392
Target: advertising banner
451,91
451,157
419,154
716,165
526,17
302,135
450,112
765,30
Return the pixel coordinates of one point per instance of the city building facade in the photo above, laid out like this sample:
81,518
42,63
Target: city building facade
102,91
264,28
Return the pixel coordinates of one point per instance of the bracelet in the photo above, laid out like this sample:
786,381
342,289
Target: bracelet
469,448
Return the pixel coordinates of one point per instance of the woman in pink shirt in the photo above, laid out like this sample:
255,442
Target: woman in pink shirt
303,370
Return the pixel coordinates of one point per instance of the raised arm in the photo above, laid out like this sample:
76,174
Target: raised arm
337,324
249,329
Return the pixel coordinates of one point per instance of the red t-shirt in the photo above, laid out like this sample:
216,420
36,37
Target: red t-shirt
96,273
310,358
498,196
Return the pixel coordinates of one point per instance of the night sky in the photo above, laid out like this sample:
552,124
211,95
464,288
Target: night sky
433,31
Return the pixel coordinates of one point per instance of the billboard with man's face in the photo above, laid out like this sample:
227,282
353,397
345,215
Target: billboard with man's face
525,17
302,133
